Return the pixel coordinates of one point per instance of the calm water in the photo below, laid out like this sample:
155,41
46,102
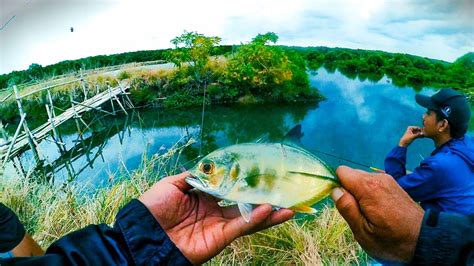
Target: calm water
360,121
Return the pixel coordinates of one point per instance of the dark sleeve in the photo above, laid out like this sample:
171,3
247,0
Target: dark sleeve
445,239
135,239
11,229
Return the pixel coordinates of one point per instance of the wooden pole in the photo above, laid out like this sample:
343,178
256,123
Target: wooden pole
56,136
2,130
120,104
51,103
25,125
19,167
83,85
76,116
12,143
53,115
111,101
33,137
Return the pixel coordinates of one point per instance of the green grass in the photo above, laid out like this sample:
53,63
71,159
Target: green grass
49,213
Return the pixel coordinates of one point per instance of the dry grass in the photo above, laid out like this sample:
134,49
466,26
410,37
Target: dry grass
51,212
326,240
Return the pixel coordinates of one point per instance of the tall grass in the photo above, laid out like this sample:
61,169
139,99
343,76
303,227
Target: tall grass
49,213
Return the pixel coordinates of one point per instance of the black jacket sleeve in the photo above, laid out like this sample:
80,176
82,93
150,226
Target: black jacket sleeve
445,239
135,239
11,229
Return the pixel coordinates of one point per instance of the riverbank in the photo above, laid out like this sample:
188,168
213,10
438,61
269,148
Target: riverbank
157,87
50,212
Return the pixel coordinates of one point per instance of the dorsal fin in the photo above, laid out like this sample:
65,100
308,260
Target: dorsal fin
293,137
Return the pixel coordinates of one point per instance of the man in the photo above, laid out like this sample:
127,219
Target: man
14,241
445,180
391,227
168,224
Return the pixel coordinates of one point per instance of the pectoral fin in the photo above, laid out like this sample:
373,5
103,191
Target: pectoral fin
246,210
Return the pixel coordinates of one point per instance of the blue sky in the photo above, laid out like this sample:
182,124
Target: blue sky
38,31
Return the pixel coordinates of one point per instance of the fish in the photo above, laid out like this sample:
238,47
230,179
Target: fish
283,174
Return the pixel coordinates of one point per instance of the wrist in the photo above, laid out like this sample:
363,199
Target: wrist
411,240
443,237
140,228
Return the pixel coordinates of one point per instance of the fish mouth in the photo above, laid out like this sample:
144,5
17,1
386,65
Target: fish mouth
196,182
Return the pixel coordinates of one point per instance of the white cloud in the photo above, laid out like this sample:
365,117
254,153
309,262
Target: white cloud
40,31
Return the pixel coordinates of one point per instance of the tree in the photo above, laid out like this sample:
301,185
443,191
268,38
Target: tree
35,71
264,70
193,48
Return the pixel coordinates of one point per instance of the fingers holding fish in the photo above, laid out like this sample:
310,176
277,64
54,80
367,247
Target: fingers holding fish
262,217
351,180
179,181
349,208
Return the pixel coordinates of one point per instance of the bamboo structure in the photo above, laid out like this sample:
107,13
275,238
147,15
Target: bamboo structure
32,138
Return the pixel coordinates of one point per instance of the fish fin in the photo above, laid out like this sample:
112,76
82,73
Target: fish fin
332,178
293,137
265,138
226,203
304,209
246,210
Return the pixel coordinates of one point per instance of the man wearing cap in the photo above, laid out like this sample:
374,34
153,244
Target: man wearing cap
445,180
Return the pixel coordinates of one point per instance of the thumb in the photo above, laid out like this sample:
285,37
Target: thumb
179,181
349,208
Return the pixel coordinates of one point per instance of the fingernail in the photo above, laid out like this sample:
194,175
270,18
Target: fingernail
336,194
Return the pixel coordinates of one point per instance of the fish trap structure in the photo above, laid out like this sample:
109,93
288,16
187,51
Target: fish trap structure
28,139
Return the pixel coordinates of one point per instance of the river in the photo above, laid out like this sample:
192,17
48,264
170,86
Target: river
360,121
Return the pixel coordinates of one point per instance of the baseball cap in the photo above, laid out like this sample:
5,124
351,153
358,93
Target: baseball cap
451,104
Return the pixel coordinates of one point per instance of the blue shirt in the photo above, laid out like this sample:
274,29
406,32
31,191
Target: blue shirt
444,181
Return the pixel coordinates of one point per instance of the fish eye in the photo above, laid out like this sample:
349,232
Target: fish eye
207,168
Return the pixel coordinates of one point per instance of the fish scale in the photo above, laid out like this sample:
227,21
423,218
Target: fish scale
275,173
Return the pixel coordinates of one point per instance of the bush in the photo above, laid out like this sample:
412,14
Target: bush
123,75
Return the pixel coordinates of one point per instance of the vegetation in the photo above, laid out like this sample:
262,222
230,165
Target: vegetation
254,72
258,71
268,72
49,213
403,69
37,72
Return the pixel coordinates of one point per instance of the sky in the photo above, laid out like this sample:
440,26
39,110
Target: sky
38,31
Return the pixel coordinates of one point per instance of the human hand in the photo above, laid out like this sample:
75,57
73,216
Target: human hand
199,227
27,247
384,219
410,135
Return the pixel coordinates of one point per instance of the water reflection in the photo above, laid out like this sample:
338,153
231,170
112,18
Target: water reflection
360,120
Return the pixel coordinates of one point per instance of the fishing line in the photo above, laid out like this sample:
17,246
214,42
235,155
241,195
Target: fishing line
202,117
350,161
14,15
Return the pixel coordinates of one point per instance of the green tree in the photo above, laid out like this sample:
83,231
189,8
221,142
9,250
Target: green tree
258,67
194,49
35,71
267,71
